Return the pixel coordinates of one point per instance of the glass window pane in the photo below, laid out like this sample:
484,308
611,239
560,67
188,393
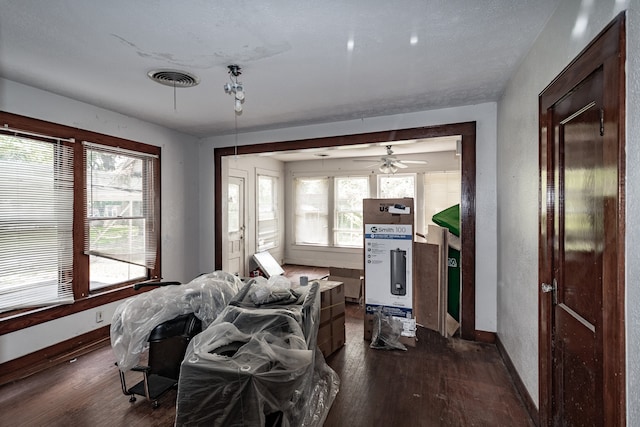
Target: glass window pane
267,212
233,208
348,225
120,215
396,186
312,205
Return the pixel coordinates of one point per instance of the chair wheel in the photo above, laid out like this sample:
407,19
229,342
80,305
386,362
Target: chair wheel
132,399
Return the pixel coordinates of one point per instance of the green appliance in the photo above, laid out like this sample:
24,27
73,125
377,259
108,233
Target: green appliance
450,219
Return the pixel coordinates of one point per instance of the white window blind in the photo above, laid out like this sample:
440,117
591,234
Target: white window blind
36,221
267,212
312,211
348,226
121,219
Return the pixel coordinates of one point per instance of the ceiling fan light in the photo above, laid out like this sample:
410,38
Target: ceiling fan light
238,106
239,93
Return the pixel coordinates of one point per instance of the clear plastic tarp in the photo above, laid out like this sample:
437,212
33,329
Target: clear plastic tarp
205,296
387,331
258,363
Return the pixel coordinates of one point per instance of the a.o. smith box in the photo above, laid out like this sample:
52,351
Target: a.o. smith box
388,261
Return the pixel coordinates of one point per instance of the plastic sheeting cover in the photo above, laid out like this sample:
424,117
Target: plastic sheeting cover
255,361
134,319
386,332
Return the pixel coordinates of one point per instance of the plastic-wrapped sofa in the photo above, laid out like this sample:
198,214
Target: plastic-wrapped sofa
258,364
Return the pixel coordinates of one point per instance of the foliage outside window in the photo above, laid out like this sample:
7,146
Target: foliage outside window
348,225
74,217
120,215
267,212
396,186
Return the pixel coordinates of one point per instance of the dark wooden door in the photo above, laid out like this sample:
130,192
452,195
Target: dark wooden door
578,235
581,239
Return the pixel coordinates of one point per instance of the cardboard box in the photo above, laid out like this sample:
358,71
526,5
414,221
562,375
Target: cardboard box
353,280
337,332
325,314
388,255
325,347
331,334
324,332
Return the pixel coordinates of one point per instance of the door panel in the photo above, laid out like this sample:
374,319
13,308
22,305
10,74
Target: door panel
581,257
577,257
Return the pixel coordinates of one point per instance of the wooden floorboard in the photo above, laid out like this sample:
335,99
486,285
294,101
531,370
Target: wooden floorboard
440,382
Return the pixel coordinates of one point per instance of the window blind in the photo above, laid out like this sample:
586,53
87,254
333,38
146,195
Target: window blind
36,221
312,211
121,220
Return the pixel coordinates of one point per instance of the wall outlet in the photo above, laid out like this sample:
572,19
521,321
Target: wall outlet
99,317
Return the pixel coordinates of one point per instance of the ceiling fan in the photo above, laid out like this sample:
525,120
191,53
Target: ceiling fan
390,163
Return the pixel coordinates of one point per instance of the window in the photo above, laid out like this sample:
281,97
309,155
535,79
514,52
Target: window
312,211
348,225
316,197
267,212
396,186
75,217
120,215
36,222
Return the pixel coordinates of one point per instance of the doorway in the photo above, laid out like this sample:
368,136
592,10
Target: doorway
581,238
235,226
467,133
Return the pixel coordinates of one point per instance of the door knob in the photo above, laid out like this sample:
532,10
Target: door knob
553,288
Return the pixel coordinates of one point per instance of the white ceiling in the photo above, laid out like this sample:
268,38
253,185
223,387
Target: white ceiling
297,67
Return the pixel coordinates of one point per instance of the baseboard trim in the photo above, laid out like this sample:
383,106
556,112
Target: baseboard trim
56,354
485,336
517,381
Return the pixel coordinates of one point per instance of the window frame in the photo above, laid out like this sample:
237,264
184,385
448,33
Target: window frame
15,320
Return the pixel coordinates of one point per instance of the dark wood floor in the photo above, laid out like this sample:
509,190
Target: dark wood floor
440,382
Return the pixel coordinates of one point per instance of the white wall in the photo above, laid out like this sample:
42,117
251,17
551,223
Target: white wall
574,24
633,214
179,200
483,114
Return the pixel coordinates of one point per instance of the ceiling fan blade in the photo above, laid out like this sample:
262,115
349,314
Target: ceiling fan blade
415,162
399,164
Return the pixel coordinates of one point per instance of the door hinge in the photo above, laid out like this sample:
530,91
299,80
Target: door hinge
553,288
601,121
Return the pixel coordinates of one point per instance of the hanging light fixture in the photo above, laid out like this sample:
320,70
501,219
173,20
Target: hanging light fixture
388,168
235,87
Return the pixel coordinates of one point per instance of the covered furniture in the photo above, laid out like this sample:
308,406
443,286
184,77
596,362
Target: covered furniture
258,364
161,322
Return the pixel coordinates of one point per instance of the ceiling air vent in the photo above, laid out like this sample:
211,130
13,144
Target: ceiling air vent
173,78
